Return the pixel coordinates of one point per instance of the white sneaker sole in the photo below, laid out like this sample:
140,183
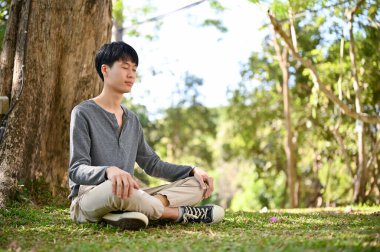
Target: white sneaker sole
127,220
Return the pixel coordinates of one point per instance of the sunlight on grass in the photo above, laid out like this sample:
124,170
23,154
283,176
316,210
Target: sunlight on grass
49,228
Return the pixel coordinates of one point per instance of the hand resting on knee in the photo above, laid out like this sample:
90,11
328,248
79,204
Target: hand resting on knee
123,183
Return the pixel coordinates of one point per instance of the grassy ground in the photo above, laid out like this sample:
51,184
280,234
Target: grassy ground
24,227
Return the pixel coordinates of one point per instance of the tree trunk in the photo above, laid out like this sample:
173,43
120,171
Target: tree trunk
362,171
290,147
288,143
54,65
119,31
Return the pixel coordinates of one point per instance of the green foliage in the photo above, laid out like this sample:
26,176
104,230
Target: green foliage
4,14
216,5
2,33
280,8
241,144
254,131
147,9
186,130
142,113
139,110
117,11
25,228
259,188
215,23
131,16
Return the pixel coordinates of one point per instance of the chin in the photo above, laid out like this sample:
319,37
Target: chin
125,91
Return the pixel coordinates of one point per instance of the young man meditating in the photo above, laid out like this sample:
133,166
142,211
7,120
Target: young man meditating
106,139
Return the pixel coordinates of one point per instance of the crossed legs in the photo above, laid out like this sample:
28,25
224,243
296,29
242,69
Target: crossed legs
160,202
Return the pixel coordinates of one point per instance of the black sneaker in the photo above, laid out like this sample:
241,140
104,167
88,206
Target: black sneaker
202,214
127,220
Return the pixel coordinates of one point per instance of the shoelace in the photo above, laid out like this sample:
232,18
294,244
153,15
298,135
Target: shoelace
194,213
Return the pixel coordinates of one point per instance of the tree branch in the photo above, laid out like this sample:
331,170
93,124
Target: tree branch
374,23
316,79
356,8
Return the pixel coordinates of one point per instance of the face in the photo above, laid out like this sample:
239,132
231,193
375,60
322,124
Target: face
121,76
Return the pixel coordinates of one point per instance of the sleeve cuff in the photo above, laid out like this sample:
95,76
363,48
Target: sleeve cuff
191,173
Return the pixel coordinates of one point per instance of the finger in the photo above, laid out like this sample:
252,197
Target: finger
210,188
201,182
125,187
119,186
207,192
136,185
113,180
130,186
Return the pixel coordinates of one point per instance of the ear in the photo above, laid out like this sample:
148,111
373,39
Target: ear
104,68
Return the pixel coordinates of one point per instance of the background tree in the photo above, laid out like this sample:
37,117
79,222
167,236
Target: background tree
361,171
289,143
326,143
4,9
184,132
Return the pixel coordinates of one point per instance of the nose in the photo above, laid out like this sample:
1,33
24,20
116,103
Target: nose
130,74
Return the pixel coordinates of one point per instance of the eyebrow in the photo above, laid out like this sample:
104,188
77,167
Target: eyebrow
129,63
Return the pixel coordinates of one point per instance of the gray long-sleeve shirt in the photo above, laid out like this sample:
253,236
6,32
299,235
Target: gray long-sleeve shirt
95,144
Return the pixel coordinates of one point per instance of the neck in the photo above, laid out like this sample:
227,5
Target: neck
109,100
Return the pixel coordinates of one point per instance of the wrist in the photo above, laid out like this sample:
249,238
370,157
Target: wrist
107,170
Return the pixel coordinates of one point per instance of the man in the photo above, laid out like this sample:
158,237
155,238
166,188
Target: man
106,139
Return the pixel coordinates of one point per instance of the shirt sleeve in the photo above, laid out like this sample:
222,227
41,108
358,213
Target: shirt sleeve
151,163
80,169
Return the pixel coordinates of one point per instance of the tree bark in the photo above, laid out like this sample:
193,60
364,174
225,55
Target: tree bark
56,72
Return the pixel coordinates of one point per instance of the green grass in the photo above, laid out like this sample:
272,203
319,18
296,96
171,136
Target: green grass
24,227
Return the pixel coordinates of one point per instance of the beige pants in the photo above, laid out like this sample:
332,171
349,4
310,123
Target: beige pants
93,202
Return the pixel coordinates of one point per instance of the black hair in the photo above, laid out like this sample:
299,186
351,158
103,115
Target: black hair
115,51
